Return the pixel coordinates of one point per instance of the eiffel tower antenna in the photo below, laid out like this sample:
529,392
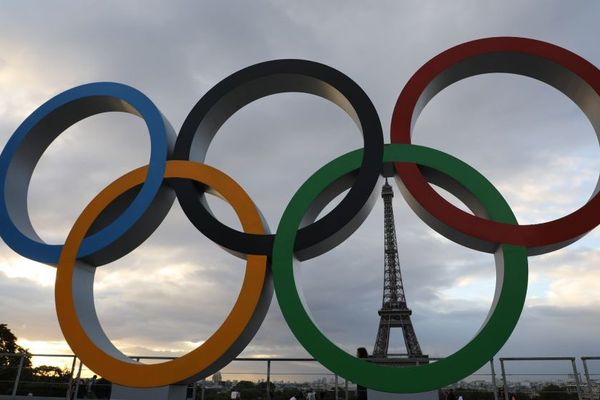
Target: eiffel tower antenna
394,312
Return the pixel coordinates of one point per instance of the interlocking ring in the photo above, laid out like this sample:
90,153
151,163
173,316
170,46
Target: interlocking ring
119,232
511,278
125,213
255,82
566,71
75,298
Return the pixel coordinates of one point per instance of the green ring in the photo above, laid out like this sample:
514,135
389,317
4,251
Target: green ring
503,316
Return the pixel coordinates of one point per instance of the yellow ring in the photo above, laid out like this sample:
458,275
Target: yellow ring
128,372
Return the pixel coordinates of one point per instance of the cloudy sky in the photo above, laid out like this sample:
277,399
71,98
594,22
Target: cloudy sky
172,292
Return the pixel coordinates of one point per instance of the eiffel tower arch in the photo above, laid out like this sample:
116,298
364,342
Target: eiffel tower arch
394,312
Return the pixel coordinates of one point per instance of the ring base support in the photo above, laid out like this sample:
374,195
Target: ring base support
170,392
375,395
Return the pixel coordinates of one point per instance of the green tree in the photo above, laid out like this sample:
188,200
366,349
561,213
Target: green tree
8,344
555,392
9,364
248,390
50,372
43,380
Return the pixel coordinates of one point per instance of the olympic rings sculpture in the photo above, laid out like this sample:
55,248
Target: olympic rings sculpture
126,212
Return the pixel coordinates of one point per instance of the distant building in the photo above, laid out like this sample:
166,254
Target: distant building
217,378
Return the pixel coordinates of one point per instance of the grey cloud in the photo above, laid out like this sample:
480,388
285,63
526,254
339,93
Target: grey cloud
28,309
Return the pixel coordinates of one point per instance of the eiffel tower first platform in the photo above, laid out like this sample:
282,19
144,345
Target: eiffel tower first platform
394,311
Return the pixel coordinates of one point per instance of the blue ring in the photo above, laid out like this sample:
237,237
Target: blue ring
105,96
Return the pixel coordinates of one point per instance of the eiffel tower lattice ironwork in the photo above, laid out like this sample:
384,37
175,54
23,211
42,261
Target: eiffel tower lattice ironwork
394,312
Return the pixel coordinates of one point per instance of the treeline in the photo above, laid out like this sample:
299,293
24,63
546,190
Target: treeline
45,380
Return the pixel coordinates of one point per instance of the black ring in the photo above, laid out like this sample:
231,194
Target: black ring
261,80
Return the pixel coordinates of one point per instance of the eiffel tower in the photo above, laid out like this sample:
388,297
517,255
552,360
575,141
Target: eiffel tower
394,312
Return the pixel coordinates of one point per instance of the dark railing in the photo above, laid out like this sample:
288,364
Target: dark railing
71,387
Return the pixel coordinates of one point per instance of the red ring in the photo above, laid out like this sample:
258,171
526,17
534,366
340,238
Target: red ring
494,55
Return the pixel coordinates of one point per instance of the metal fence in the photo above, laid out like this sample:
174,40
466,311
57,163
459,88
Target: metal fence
572,384
282,370
78,374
